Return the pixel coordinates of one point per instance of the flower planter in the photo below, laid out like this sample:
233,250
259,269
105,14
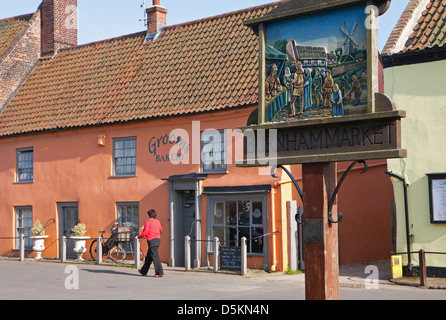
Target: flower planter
39,245
79,246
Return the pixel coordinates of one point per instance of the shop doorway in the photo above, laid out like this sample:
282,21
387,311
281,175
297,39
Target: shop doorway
186,222
68,218
185,217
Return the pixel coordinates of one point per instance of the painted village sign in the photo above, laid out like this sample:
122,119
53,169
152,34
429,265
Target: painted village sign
316,65
318,92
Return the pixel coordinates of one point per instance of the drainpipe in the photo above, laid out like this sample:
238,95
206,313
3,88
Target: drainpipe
406,212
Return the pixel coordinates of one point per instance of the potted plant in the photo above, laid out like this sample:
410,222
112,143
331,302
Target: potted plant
38,239
79,231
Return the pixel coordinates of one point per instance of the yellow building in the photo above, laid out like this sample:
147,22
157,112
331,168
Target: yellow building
415,62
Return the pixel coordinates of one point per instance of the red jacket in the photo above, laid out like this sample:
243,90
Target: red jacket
152,230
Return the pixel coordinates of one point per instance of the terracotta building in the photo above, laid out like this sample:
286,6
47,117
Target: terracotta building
105,131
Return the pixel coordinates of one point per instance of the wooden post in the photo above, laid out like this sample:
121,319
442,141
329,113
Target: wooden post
321,240
422,258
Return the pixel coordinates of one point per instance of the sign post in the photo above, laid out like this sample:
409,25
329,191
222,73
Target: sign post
319,101
320,240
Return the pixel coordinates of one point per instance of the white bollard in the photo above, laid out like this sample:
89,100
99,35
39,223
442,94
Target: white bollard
244,252
64,249
22,247
187,253
99,250
216,253
137,248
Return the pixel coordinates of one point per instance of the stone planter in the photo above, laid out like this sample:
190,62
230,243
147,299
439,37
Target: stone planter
79,246
39,245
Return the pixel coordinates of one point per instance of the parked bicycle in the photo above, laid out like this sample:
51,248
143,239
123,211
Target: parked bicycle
112,247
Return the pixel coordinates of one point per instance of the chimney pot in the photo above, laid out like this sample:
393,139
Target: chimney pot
156,2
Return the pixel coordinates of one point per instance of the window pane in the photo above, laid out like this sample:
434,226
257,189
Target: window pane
231,213
243,212
257,214
218,213
219,232
257,240
231,239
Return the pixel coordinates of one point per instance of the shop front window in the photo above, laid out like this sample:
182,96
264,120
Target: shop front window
235,219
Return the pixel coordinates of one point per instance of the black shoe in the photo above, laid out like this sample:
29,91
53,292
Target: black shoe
139,270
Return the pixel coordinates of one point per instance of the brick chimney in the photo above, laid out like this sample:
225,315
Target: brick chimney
59,25
156,18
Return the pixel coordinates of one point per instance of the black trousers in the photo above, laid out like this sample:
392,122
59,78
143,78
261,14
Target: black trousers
152,256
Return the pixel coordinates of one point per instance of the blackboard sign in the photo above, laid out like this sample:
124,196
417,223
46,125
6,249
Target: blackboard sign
230,258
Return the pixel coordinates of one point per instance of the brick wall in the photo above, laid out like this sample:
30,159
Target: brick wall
59,25
19,59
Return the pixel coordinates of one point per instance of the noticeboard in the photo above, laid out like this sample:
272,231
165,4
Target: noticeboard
437,197
230,258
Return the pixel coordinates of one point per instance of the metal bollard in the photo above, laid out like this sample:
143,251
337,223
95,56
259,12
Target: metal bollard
64,249
136,253
216,253
99,250
22,247
187,253
244,252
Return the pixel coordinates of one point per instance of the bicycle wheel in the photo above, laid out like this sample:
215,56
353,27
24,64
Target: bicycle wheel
117,254
94,250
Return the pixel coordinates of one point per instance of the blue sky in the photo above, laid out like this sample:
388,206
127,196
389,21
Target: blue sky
327,34
103,19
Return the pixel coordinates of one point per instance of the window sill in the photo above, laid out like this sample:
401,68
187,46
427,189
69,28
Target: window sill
215,172
122,176
23,182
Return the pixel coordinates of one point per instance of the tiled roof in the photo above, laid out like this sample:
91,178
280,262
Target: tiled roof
421,26
10,29
204,65
430,30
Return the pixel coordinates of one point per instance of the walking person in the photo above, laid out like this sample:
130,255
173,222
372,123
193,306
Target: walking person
152,232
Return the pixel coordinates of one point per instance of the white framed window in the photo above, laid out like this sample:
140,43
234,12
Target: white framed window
124,156
213,151
24,224
25,165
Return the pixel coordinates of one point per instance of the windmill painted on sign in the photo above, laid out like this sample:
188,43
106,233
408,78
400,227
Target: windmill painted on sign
349,44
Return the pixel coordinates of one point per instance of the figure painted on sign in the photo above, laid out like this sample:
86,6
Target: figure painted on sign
327,89
272,85
307,101
298,89
287,83
338,107
355,90
318,81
